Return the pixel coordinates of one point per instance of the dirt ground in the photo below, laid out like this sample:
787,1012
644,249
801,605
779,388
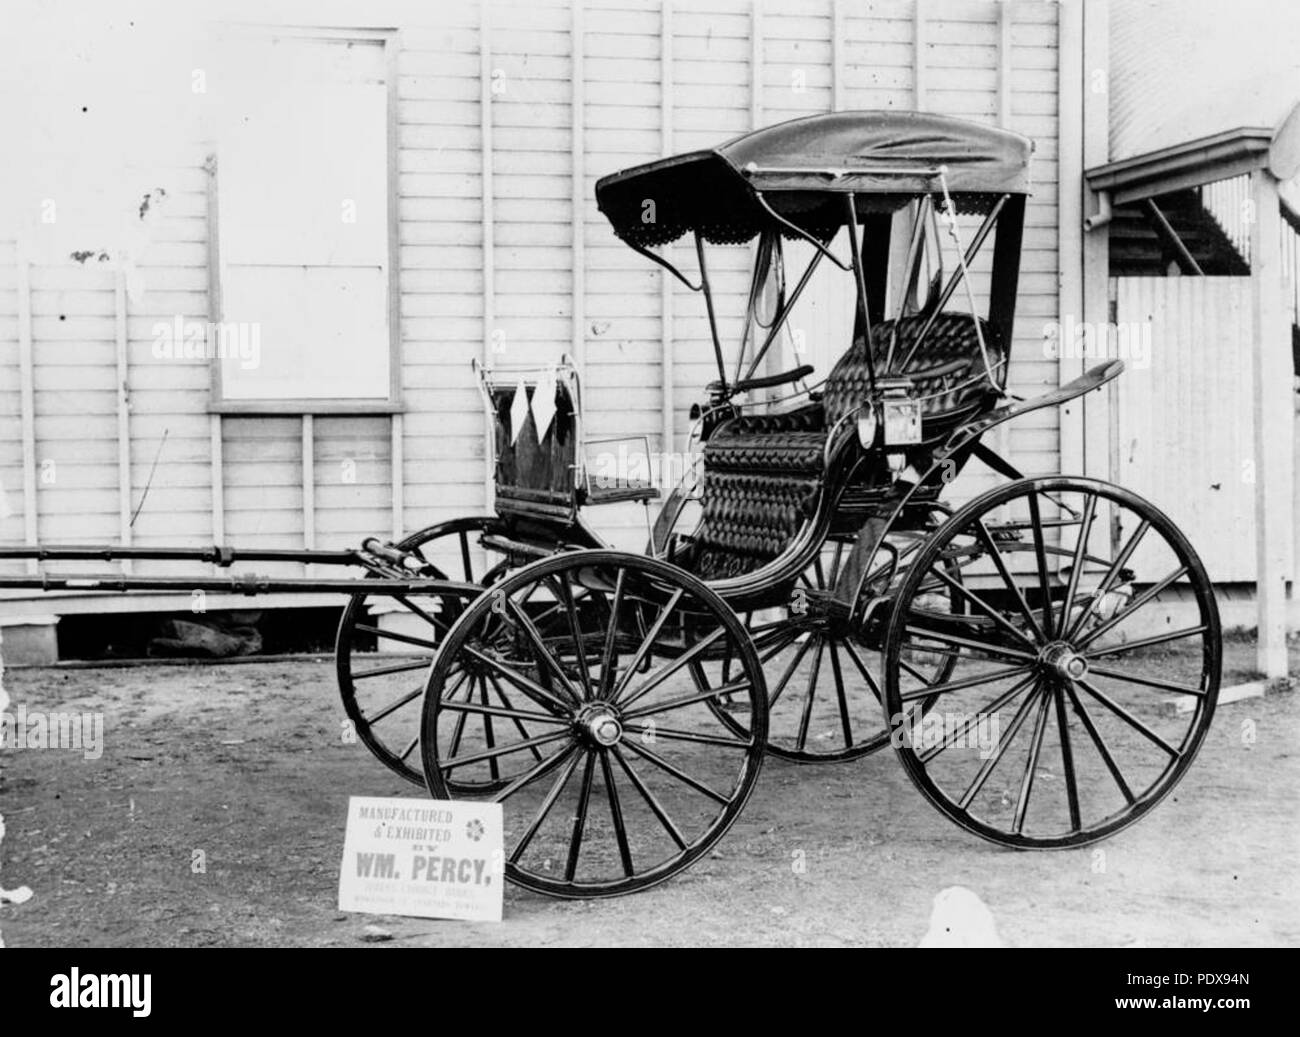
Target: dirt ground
246,764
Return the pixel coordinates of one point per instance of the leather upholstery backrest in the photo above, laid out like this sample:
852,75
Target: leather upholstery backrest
957,389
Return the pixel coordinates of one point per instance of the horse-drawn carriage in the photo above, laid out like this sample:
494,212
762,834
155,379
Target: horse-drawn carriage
806,592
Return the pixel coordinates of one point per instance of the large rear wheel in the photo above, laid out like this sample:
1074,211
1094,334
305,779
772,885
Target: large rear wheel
1085,669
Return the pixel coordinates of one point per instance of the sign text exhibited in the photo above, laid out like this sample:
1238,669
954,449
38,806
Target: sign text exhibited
420,857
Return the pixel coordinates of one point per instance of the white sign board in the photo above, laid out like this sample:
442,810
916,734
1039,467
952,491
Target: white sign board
423,857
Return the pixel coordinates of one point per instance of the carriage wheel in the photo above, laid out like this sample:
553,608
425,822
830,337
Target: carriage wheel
1085,672
825,703
619,775
381,672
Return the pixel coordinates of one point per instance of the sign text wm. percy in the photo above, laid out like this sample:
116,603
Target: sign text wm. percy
428,858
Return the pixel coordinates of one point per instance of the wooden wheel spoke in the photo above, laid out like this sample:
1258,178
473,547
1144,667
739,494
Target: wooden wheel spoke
660,675
1067,757
489,738
806,718
464,556
384,671
835,563
485,709
570,753
1146,642
1040,558
1031,763
841,696
580,644
647,642
1103,750
966,682
609,655
782,640
410,748
862,669
983,606
459,730
393,635
1132,607
653,803
1149,682
542,652
428,617
996,651
1000,563
580,819
1129,718
1080,555
674,735
688,700
616,815
529,687
393,706
676,772
543,718
995,757
495,753
1111,575
776,691
959,734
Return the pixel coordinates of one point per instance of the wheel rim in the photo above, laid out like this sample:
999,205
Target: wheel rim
382,687
618,733
1091,620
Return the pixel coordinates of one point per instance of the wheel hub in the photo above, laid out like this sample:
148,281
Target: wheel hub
598,724
1061,660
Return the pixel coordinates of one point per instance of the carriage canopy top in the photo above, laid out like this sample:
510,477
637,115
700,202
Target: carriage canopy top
795,169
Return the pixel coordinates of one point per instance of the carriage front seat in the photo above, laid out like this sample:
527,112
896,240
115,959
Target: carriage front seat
762,472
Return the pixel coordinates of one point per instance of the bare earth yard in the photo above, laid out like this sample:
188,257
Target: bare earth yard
246,764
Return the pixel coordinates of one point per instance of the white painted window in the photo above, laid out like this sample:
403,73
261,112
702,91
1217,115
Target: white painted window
303,238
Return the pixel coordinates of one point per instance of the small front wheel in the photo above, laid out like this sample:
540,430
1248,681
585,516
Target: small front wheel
615,772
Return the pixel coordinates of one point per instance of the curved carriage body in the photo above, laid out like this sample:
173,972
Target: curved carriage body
807,590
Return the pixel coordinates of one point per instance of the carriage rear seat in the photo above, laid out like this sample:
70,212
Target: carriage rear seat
762,472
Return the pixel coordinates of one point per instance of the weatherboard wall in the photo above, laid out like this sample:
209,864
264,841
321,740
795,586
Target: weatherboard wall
505,117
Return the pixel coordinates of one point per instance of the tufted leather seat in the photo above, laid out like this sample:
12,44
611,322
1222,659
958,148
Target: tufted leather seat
951,378
790,442
762,473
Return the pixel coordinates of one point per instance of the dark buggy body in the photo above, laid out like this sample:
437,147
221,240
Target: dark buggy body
806,591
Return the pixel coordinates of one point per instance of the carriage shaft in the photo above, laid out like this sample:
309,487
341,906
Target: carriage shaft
237,583
216,554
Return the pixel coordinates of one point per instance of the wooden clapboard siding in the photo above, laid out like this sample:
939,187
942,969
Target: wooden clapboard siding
12,469
440,231
353,479
262,483
1182,421
522,275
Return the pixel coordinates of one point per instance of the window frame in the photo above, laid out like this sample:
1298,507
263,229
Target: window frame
218,402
